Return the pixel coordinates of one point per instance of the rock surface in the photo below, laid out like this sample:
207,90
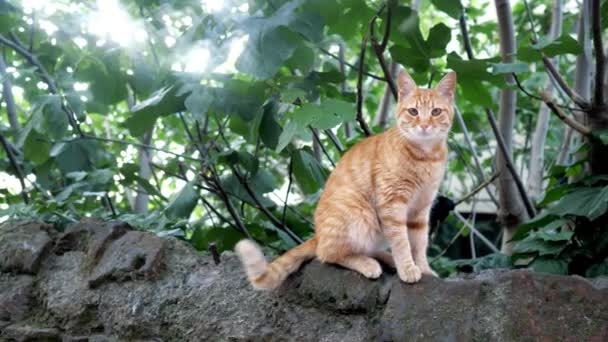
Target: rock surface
105,282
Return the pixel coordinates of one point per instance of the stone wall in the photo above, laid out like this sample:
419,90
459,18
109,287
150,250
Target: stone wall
101,281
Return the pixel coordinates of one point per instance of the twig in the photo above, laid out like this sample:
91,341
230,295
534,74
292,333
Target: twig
465,36
449,244
469,141
316,137
123,142
18,47
539,98
15,165
532,26
354,67
477,189
584,105
476,232
501,144
288,190
334,139
379,48
568,120
600,58
110,205
360,119
552,70
214,253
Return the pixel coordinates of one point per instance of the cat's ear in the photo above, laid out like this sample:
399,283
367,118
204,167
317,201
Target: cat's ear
447,86
406,84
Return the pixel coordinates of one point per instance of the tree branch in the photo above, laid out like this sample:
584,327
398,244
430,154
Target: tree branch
600,58
354,67
15,165
509,163
318,140
9,99
477,189
360,118
579,127
18,47
379,48
334,139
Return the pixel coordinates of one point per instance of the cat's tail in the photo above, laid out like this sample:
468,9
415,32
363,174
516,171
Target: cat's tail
265,276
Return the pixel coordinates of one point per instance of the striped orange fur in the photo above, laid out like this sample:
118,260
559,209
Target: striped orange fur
380,191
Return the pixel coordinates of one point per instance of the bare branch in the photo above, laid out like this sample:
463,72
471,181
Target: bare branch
477,189
509,163
9,99
360,118
570,121
600,58
334,139
539,98
315,135
379,48
465,35
584,105
15,165
354,67
18,47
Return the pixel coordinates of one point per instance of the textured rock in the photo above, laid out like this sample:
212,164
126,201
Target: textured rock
15,297
23,245
96,286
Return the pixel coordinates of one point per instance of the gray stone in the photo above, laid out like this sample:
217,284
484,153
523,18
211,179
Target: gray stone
133,255
16,296
26,333
176,294
23,245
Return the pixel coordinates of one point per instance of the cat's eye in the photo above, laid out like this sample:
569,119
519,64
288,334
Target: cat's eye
436,111
413,111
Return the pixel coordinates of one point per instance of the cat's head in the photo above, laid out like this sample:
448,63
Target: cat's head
425,115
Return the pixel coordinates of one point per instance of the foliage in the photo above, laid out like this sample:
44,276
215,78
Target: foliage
224,101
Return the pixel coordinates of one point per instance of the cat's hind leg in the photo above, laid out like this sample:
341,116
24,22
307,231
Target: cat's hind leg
365,265
385,258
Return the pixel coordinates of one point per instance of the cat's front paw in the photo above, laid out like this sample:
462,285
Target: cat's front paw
429,271
410,274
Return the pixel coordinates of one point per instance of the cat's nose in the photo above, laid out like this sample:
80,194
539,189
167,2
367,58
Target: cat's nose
423,127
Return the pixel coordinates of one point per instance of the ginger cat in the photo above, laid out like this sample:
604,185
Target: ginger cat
381,190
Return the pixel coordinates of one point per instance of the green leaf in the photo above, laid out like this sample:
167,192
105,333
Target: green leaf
562,45
329,114
549,265
587,202
273,39
410,57
550,235
476,91
597,270
75,155
54,120
270,130
439,37
289,131
144,114
36,148
199,101
266,54
183,202
534,244
507,68
453,8
309,174
223,238
302,59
